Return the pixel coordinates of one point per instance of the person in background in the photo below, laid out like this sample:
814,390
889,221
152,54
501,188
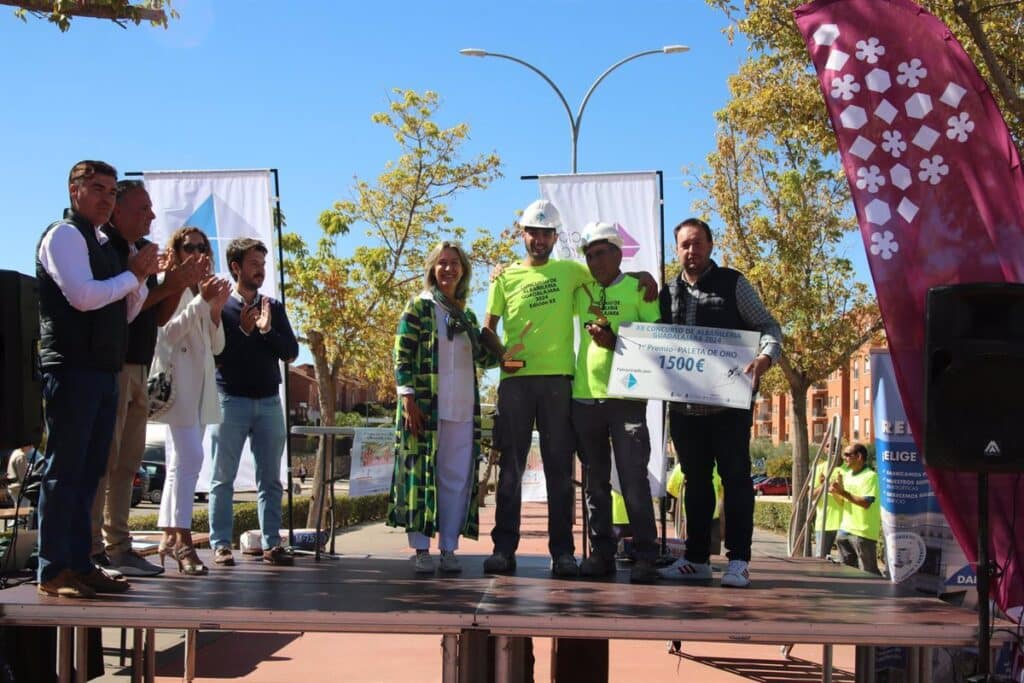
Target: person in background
857,486
828,514
437,351
186,344
257,338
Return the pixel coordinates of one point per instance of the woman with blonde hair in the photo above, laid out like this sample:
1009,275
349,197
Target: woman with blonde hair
437,351
186,345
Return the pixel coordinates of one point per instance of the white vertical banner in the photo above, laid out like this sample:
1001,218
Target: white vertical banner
632,202
225,205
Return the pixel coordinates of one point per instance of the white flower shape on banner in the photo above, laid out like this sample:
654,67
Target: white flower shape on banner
911,73
869,50
845,87
960,127
870,178
893,143
884,244
932,170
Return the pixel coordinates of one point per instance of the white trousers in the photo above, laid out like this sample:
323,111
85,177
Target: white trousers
455,470
183,465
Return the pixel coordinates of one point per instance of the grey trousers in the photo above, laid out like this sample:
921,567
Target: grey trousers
616,428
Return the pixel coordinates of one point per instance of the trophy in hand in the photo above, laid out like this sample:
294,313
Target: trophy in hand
596,309
509,362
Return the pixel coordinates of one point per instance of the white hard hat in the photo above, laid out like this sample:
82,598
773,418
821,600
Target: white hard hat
541,214
599,231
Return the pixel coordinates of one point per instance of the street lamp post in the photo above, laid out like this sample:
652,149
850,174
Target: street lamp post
574,121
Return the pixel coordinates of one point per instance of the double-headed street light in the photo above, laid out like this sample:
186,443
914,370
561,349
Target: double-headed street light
574,121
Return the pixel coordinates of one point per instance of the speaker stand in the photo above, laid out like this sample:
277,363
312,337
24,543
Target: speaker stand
984,573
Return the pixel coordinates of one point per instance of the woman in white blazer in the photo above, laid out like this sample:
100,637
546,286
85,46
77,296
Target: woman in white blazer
186,345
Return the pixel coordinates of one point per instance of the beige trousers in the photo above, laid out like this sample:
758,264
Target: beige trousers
113,501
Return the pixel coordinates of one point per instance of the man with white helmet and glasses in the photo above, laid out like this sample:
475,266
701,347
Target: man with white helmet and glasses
534,297
611,426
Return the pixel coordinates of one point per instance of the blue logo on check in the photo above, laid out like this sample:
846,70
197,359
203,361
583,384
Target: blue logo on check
630,381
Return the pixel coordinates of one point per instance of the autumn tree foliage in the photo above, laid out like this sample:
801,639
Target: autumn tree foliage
776,86
61,12
346,305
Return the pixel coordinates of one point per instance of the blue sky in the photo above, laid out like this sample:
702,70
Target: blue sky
249,84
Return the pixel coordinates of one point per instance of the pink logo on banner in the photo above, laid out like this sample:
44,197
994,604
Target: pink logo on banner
939,193
630,246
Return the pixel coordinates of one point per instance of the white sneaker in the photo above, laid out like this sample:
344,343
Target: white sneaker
424,563
449,563
737,574
684,570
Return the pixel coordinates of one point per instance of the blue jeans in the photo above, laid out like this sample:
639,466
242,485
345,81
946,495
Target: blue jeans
81,406
260,420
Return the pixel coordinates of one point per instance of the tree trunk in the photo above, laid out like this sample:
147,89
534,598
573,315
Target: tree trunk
325,380
798,393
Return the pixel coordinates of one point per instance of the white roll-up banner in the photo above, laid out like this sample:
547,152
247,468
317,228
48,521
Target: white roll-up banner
225,205
632,202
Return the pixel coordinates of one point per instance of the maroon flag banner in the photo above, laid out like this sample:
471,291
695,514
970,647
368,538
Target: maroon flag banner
939,193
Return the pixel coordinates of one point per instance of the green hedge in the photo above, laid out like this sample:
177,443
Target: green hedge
772,515
347,512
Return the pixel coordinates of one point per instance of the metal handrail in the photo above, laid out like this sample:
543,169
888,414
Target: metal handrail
829,446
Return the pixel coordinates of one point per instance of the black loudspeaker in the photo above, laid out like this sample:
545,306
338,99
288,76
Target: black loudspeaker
21,395
974,378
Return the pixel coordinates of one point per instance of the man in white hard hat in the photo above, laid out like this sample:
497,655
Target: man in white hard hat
604,424
534,298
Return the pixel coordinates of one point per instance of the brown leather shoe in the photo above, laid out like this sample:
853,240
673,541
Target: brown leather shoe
65,585
278,556
222,556
101,582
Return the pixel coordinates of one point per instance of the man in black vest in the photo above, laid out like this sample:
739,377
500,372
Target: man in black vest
709,296
127,229
88,293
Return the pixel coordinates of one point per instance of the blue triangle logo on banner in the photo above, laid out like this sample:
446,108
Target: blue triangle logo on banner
205,218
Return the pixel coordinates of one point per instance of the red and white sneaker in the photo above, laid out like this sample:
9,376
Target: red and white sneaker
737,574
684,570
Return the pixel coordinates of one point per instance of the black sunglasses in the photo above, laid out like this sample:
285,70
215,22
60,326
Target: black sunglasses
194,248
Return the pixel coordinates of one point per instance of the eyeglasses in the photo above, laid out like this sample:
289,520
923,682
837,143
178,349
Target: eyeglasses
850,454
194,248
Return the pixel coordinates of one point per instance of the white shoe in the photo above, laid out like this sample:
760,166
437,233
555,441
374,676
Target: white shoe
737,574
424,563
449,563
684,570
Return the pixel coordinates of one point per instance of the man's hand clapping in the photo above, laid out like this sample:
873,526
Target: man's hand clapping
144,262
256,316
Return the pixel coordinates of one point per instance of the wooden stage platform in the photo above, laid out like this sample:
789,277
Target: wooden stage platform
790,601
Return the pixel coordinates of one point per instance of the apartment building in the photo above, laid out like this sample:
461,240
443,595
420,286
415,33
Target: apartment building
304,394
845,394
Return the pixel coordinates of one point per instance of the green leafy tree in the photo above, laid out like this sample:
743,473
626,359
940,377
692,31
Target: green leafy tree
61,12
347,306
777,91
785,215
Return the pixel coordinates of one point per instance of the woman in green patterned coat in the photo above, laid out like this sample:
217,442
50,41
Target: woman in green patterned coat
437,349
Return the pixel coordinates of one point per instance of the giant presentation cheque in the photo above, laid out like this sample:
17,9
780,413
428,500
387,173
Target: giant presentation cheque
683,364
